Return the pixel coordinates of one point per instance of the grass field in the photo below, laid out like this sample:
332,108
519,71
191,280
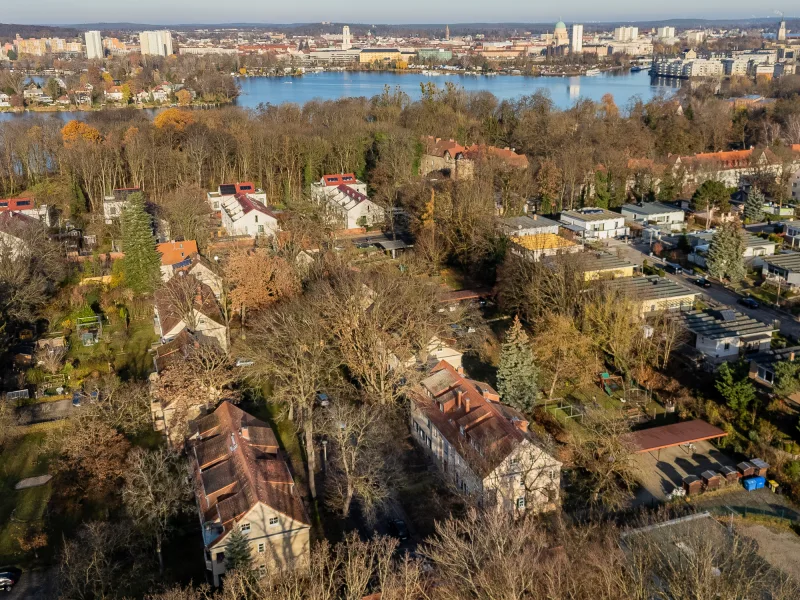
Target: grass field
22,457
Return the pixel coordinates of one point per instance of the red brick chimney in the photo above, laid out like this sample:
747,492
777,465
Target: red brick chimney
459,395
466,404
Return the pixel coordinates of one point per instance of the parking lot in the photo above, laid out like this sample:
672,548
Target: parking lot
662,471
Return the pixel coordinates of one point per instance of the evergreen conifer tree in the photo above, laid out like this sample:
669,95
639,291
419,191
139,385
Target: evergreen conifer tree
142,263
237,551
725,258
517,374
754,205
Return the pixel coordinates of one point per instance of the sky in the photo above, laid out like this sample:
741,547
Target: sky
56,12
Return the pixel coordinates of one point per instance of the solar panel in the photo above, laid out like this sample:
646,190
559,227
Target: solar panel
728,315
227,189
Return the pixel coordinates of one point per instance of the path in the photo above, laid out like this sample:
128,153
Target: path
39,584
33,482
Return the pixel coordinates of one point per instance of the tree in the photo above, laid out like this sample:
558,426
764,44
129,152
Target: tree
517,373
712,196
737,391
754,206
184,97
156,490
237,551
607,458
75,132
174,118
725,258
787,378
258,278
142,263
565,350
188,214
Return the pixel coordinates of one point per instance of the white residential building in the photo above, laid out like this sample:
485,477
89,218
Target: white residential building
94,45
483,448
576,42
171,317
244,215
626,34
661,215
228,190
344,199
725,334
664,33
594,223
156,43
347,42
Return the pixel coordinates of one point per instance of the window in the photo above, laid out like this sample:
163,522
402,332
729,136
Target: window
260,229
221,557
765,375
261,547
520,503
273,521
256,217
727,345
514,462
244,527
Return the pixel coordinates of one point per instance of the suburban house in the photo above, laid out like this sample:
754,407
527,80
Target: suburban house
661,215
783,267
114,94
655,294
228,190
29,208
116,202
534,247
242,481
5,100
733,168
344,199
173,253
242,214
792,233
527,225
12,243
602,265
794,183
756,248
173,313
458,162
594,223
202,269
724,334
482,447
762,366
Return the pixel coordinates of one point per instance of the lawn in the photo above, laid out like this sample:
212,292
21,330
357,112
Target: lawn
22,457
131,349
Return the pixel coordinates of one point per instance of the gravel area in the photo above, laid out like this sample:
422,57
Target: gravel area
779,547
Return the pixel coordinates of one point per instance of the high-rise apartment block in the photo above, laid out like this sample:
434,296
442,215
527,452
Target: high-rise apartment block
664,33
94,45
156,43
626,34
347,42
782,32
576,42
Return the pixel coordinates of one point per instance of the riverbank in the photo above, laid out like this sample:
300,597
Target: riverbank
439,71
113,106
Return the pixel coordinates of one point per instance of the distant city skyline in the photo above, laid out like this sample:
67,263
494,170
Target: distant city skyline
156,12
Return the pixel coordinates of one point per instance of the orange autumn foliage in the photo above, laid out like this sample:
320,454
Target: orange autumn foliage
174,118
74,131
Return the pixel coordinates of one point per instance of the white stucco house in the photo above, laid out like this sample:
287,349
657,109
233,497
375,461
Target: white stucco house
592,223
229,190
345,202
724,334
244,215
655,213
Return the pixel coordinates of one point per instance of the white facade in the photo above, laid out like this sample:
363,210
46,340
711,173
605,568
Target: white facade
657,213
794,186
595,223
576,43
663,33
156,43
626,34
344,199
346,39
242,215
94,45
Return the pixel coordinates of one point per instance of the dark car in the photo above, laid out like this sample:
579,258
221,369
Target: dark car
748,302
702,282
76,398
8,579
398,529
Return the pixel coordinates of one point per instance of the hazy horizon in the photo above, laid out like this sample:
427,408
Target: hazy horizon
185,12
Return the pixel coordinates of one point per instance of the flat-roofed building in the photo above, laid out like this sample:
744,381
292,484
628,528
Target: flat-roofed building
656,213
656,294
784,267
534,247
593,223
602,265
724,334
528,225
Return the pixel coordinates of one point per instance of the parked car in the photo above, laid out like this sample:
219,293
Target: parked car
76,399
9,578
244,362
748,302
398,529
673,268
702,282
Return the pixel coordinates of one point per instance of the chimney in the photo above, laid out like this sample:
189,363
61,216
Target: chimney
459,395
245,432
535,216
466,404
791,356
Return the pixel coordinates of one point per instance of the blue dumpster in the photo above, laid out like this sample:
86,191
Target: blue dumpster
754,483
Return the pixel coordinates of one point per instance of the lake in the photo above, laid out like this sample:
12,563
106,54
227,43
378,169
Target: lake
331,85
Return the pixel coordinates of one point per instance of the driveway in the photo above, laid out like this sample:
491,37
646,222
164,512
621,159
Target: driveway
637,253
39,584
44,411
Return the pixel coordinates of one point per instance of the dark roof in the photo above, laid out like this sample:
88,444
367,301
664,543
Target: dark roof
789,262
168,313
603,261
676,434
726,323
175,349
515,224
769,358
462,295
647,209
652,288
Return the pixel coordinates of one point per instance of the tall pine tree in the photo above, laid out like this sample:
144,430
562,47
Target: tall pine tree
517,374
725,258
142,263
754,206
237,551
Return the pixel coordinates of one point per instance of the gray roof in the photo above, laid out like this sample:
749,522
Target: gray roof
602,261
652,288
512,224
789,262
769,358
727,323
751,241
647,209
591,214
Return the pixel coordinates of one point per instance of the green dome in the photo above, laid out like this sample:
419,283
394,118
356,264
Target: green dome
560,25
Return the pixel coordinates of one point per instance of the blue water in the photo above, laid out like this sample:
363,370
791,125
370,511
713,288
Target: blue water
564,91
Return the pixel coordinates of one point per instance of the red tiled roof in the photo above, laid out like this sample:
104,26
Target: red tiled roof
337,180
17,204
677,434
439,147
731,159
248,203
175,252
350,192
507,155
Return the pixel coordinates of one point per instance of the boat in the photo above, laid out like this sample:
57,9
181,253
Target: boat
636,69
431,73
593,72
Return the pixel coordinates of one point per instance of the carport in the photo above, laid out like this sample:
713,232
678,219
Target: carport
656,439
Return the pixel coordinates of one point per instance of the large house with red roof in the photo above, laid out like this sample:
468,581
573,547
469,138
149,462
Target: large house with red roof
27,206
482,447
458,162
344,199
243,214
242,481
228,190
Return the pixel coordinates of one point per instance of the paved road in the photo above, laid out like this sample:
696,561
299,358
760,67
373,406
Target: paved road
36,585
44,411
637,253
